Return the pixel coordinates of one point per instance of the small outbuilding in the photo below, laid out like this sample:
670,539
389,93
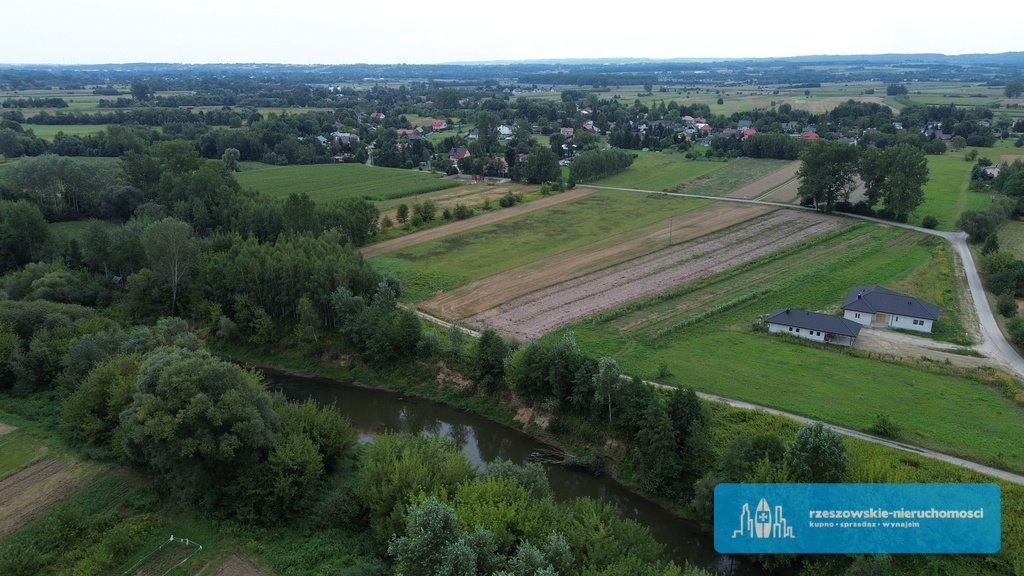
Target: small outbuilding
813,326
880,307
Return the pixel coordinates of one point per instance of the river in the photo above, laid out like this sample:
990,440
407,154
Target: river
373,411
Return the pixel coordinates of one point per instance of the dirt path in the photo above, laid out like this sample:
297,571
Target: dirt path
536,313
6,428
30,492
240,565
461,225
907,346
497,289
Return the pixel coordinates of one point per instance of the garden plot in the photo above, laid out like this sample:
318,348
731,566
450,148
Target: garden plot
534,314
485,293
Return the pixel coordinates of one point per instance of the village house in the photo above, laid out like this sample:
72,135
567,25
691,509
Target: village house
882,308
567,132
439,124
505,130
813,326
459,153
377,116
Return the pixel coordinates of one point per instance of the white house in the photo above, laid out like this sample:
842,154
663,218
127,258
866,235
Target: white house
882,308
505,130
813,326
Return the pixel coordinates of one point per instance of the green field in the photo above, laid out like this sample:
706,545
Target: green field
443,264
946,195
1011,238
62,232
673,172
48,131
701,333
323,182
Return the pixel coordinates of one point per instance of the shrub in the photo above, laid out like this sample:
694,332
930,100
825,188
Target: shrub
884,427
1006,304
930,222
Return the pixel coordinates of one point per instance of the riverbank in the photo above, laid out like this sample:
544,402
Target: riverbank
868,462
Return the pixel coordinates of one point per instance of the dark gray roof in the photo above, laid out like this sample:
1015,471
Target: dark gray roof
814,321
872,299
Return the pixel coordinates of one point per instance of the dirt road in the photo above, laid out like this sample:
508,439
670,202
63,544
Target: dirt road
907,346
461,225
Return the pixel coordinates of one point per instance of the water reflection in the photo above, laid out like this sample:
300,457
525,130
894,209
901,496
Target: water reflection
375,411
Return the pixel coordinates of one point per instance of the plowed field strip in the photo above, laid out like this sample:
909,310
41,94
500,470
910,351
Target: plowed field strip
534,314
29,493
773,180
480,295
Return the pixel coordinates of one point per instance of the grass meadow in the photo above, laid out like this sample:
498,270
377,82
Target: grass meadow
946,193
325,182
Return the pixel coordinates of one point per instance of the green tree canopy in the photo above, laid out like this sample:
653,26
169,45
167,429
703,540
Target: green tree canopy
826,176
197,421
816,454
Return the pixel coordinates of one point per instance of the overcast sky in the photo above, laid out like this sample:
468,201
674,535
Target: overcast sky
394,31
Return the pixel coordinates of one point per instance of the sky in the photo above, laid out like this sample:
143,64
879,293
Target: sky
419,32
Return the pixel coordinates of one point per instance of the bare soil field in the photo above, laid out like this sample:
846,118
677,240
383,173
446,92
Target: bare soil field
164,560
536,313
6,428
1011,158
486,293
29,493
455,227
907,346
774,180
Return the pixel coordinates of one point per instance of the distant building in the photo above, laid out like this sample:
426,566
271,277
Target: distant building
882,308
505,130
439,124
809,135
377,116
567,132
743,124
456,154
813,326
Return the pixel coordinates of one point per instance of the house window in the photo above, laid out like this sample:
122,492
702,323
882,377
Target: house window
856,315
797,330
790,328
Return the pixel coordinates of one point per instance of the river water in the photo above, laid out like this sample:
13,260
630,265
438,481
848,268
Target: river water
374,411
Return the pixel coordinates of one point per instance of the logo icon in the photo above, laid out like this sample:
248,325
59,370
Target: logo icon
763,523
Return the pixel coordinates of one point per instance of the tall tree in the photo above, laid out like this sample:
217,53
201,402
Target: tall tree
906,171
198,421
816,454
606,381
487,131
489,369
173,254
826,175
